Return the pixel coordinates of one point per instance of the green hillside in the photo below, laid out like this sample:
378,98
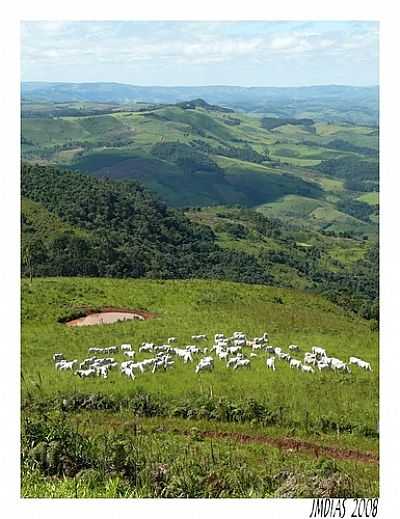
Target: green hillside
342,267
196,154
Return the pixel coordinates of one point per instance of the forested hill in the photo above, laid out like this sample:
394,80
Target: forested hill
76,225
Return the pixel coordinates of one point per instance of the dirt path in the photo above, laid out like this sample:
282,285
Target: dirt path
291,445
295,445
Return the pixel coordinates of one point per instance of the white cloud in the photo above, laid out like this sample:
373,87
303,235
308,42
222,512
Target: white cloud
192,43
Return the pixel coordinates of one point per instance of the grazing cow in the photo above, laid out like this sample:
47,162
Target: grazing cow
126,347
128,371
294,363
57,357
192,349
170,340
271,363
102,371
242,363
307,369
64,365
323,365
85,373
205,364
310,358
233,361
223,355
129,354
338,365
284,356
360,363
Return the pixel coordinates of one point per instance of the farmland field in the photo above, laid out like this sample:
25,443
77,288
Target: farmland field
169,420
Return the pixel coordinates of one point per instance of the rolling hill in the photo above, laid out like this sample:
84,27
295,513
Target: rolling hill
330,102
197,154
77,225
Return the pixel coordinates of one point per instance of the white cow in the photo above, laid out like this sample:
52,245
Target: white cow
205,364
310,358
65,365
307,369
242,363
360,363
271,363
294,363
128,371
322,365
126,347
86,373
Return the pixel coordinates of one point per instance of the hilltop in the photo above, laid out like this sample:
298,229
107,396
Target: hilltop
329,102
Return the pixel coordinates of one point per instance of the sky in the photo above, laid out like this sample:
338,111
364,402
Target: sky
258,53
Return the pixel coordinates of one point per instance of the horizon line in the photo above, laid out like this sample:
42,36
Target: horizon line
198,86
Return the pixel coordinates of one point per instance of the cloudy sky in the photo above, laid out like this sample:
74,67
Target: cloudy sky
201,53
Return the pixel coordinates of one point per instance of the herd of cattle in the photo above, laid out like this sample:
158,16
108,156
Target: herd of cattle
236,351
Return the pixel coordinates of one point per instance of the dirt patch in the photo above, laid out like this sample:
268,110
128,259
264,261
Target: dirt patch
92,317
295,445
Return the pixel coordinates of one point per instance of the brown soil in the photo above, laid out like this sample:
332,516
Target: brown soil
294,445
108,315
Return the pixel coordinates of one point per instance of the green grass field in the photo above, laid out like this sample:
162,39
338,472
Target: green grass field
328,408
370,198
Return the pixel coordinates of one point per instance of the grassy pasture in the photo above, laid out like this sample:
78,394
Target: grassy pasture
189,307
369,198
166,429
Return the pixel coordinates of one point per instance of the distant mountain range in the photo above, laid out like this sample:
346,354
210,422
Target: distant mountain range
334,101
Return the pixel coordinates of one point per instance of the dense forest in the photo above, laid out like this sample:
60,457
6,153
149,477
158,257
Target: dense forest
120,230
